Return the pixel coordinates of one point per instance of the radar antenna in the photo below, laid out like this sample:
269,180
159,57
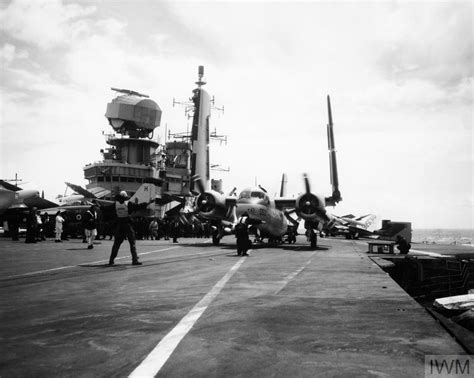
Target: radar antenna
16,180
213,102
200,82
129,92
218,167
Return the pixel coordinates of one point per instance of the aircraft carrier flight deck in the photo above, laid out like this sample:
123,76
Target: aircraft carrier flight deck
194,309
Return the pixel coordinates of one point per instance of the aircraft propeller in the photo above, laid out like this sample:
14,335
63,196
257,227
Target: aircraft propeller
206,201
306,183
308,204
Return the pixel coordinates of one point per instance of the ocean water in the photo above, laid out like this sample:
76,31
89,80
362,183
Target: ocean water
444,236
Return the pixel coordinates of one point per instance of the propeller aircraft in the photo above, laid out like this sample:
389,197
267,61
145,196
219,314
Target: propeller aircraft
270,217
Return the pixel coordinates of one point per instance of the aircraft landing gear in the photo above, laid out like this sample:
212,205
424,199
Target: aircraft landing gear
313,239
216,239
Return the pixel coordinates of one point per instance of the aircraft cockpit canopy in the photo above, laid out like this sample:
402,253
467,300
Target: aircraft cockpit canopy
244,194
248,194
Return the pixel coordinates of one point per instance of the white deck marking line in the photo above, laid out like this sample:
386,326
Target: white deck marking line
194,254
156,250
434,254
41,271
291,276
88,263
152,364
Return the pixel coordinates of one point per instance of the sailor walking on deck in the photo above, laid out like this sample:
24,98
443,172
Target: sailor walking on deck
90,226
123,209
59,220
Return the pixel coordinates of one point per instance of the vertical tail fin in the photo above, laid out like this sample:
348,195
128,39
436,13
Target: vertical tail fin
336,194
145,193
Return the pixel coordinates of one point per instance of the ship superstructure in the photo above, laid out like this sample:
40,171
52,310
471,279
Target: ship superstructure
134,156
131,158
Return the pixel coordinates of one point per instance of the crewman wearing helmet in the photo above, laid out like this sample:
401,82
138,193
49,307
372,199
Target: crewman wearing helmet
124,228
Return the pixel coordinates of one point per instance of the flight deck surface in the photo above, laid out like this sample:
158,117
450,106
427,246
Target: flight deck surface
194,309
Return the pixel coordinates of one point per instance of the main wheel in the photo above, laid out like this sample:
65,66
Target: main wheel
313,239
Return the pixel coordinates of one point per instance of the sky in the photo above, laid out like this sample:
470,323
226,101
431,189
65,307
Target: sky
400,77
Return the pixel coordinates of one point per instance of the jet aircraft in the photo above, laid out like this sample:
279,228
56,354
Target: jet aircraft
270,218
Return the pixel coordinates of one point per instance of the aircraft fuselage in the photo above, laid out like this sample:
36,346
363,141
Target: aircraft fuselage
270,221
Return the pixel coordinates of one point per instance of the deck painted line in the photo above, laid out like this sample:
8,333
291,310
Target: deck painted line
292,275
434,254
75,266
153,363
194,254
156,250
41,271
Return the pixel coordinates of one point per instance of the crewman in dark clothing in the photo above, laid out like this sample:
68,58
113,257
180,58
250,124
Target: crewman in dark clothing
166,228
175,230
242,235
90,222
31,226
123,209
14,226
403,245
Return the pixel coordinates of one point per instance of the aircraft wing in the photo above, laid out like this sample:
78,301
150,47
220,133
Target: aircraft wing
39,202
362,232
100,192
103,203
348,216
167,198
175,211
285,203
94,193
9,186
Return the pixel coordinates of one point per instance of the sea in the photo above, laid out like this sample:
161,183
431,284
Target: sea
443,236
